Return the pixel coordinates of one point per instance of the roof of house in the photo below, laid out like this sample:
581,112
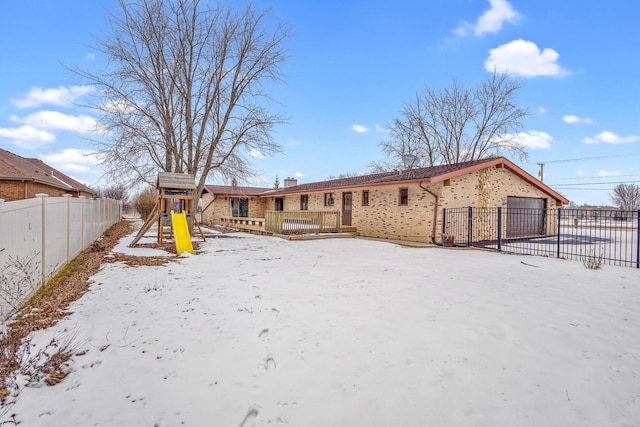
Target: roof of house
18,168
176,181
428,175
234,190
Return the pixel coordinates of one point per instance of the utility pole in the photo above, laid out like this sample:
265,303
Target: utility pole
541,172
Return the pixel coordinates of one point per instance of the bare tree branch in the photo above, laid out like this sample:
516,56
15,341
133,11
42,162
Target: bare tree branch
457,124
186,89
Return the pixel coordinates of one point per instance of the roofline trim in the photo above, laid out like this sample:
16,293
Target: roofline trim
39,181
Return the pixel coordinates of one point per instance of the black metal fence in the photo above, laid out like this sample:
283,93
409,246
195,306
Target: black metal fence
608,235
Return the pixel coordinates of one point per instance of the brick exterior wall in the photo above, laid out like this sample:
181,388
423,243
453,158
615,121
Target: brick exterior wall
385,218
221,208
18,190
489,187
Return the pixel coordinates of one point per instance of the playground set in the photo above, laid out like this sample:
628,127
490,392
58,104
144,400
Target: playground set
174,208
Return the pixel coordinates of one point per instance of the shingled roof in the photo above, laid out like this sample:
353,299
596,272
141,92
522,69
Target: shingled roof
18,168
234,190
429,175
176,181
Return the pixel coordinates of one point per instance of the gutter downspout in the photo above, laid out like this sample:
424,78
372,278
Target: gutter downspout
435,213
435,216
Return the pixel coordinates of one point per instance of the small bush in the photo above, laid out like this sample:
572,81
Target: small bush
592,260
145,201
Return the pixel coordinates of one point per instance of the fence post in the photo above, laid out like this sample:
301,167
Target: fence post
558,234
469,226
43,237
68,197
444,220
1,234
82,200
637,239
499,228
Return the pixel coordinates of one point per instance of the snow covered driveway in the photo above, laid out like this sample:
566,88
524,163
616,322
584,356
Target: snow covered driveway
348,332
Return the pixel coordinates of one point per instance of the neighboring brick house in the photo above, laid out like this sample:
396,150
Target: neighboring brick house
407,205
23,178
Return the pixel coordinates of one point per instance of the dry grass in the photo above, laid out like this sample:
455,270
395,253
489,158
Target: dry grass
50,304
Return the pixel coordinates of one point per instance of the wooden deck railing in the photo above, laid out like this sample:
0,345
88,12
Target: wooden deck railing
249,224
302,222
282,222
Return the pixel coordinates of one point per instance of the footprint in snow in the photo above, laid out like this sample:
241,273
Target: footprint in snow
252,413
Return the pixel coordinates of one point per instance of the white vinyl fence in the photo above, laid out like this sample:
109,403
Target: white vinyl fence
40,236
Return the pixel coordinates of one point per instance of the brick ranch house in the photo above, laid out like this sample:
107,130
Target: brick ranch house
403,205
22,178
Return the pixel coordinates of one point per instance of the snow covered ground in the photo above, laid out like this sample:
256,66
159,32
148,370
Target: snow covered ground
262,331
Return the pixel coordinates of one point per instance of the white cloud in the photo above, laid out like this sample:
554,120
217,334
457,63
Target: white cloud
524,58
379,128
359,129
90,56
611,138
491,21
256,153
60,96
298,174
293,142
28,136
56,120
542,110
607,173
575,119
72,160
580,173
533,139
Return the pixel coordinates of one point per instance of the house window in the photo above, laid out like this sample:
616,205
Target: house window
239,207
404,197
304,202
365,198
279,203
328,199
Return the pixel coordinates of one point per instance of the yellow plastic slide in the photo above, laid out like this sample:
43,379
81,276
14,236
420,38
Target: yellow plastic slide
181,232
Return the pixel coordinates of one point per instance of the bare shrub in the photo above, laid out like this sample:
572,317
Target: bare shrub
592,259
18,279
145,201
49,363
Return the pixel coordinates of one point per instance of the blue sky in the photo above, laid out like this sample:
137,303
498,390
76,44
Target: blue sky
352,64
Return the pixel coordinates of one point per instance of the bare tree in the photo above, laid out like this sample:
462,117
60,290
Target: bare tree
116,192
343,175
457,124
186,89
626,196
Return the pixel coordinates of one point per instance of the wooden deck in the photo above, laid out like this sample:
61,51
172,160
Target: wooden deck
288,223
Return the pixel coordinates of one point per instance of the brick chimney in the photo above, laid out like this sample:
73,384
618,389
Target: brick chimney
290,182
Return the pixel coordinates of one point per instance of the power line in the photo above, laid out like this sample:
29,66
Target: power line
582,189
580,159
600,177
592,183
